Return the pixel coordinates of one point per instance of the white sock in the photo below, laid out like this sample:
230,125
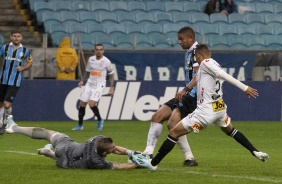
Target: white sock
185,148
153,135
8,112
1,115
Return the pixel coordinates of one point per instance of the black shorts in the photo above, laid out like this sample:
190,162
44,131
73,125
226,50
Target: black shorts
186,106
8,93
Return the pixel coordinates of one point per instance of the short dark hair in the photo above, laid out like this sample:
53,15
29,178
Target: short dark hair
202,49
103,145
16,31
187,30
99,44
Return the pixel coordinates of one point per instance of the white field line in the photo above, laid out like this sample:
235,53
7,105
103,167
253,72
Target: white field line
253,178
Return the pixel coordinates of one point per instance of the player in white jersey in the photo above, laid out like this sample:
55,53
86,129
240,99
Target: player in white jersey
211,108
98,67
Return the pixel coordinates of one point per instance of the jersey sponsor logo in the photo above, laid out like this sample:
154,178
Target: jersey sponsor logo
96,73
218,105
13,59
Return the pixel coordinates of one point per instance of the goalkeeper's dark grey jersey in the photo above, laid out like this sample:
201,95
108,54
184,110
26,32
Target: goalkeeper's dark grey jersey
81,156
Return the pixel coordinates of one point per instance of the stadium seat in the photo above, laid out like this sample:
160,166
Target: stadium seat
255,42
87,41
264,30
218,42
192,7
118,6
171,29
155,6
31,4
153,29
145,18
134,29
173,7
115,29
143,41
273,19
136,7
227,30
200,18
278,30
49,18
69,17
107,18
246,8
237,42
39,8
237,19
96,28
181,18
87,45
57,38
255,19
162,18
76,28
81,6
106,40
208,30
161,41
126,18
100,6
278,8
246,30
196,28
218,19
88,17
273,42
124,41
61,28
273,1
61,6
264,8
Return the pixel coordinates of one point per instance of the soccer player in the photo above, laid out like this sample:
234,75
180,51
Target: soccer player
98,67
16,58
175,110
69,154
211,108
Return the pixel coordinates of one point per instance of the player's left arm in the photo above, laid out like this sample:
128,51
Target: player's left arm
251,92
112,81
28,63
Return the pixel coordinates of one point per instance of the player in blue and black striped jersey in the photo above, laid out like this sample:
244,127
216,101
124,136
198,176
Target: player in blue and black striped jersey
16,58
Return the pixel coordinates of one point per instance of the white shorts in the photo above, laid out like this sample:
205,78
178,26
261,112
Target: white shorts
197,120
92,91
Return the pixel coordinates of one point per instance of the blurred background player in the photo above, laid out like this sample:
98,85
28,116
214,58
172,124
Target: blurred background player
173,110
98,67
16,58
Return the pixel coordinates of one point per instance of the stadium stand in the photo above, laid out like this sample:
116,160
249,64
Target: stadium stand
136,7
162,18
218,18
81,6
273,19
124,41
192,7
155,6
61,6
126,18
172,7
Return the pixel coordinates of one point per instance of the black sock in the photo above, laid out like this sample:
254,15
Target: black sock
239,137
81,113
166,147
96,112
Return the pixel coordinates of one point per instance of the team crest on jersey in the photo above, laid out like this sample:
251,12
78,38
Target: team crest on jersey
21,54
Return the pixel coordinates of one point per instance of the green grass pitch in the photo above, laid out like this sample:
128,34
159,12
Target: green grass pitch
221,159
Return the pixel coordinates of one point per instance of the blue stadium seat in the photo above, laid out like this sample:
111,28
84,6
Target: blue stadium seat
161,41
162,18
87,41
273,42
237,19
246,30
69,17
100,6
96,29
171,29
155,6
218,19
61,6
118,6
153,29
134,29
115,29
227,30
39,8
209,30
124,41
200,18
126,18
255,42
76,28
143,41
255,19
273,20
106,40
264,30
81,6
218,42
107,18
181,18
31,4
278,8
87,45
237,42
246,8
273,1
278,30
88,17
192,7
173,7
57,38
145,18
49,18
136,7
264,8
58,28
196,28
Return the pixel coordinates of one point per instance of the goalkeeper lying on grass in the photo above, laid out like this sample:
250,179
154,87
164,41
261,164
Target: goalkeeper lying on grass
69,154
